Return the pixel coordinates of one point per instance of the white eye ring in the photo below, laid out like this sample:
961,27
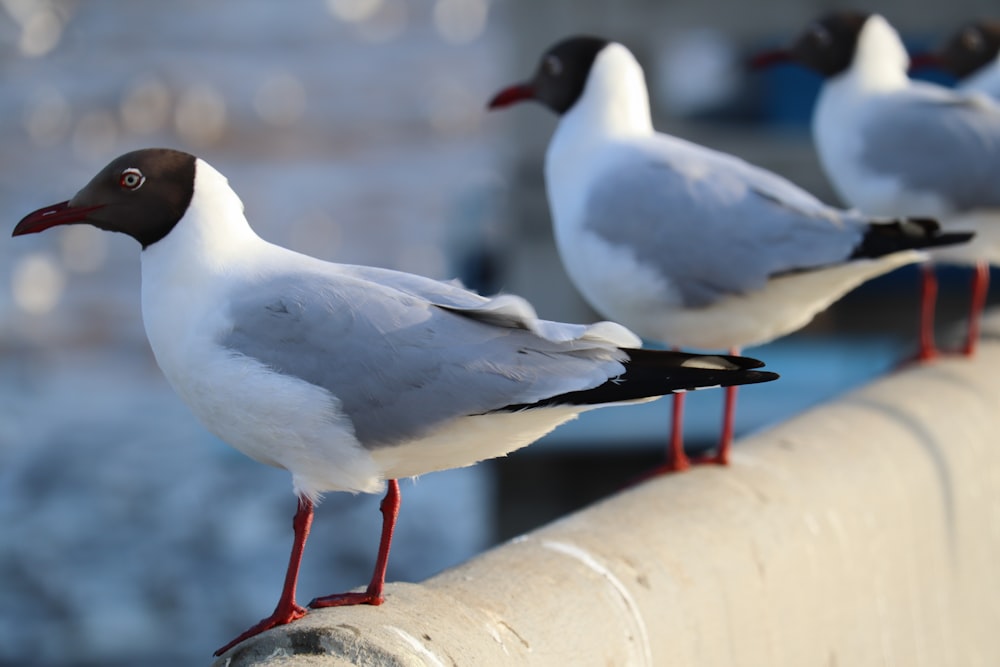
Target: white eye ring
131,179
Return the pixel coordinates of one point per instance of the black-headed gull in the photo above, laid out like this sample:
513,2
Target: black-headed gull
348,376
681,243
971,55
893,146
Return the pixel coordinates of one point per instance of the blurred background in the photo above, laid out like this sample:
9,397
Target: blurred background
353,130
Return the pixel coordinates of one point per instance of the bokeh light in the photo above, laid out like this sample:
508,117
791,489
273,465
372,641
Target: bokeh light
37,283
82,249
386,23
700,70
460,21
281,99
353,10
200,117
40,23
146,107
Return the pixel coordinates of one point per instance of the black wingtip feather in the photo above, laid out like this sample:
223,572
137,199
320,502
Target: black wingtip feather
885,238
671,358
651,373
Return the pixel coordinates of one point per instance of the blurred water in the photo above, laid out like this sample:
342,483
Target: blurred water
351,129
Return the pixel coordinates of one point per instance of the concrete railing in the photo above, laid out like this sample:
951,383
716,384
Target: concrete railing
865,532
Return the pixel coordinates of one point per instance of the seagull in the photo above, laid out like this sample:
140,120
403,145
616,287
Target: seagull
681,243
350,376
893,146
972,55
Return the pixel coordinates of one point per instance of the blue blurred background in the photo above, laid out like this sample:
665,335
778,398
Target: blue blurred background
353,130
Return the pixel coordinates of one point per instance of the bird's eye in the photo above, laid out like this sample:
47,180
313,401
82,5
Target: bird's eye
132,179
820,34
553,66
972,40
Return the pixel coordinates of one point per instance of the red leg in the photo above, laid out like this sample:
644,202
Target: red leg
721,456
287,610
980,287
677,460
373,594
928,298
728,427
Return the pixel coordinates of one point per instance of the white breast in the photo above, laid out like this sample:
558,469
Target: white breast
186,280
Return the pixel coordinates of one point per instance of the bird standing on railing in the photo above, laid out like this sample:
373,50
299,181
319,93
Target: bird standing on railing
348,376
684,244
893,146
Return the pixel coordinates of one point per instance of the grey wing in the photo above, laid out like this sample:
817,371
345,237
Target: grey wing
715,226
946,145
504,310
442,292
400,365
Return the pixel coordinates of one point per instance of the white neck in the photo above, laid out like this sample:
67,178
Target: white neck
614,105
880,59
845,104
614,101
985,80
184,273
212,236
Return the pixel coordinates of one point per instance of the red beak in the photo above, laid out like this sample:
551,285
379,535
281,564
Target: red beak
924,60
512,95
769,58
51,216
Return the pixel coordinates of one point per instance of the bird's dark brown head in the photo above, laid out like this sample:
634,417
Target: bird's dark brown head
560,78
973,46
143,194
826,46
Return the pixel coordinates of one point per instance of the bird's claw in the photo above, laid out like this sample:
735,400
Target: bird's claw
279,617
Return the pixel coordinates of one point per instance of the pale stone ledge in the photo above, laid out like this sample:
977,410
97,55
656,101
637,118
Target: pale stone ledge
865,532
